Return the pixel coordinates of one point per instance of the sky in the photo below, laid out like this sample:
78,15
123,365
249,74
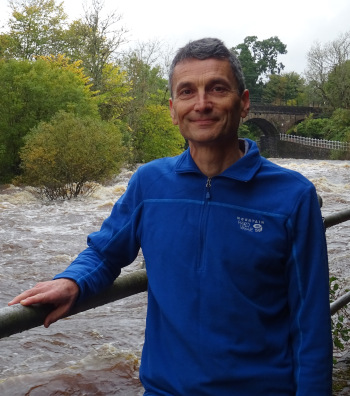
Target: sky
297,23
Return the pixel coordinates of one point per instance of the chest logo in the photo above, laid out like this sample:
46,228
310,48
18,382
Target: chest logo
250,225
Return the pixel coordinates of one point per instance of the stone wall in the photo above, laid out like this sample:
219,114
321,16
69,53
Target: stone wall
294,150
271,147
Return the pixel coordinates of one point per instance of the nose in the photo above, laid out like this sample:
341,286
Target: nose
203,102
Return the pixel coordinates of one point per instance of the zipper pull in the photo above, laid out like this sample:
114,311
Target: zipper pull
208,186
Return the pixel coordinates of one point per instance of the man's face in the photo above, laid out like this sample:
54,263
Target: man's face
206,104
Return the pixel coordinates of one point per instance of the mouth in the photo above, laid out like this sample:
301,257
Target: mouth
204,121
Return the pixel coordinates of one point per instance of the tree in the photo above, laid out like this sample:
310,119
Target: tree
36,28
284,89
336,127
145,70
6,43
337,86
116,96
339,126
31,92
157,136
95,39
258,60
328,68
315,128
40,27
62,156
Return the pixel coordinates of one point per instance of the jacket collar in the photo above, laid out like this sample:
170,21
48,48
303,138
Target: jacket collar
243,170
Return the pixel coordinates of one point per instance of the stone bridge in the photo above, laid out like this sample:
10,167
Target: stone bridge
273,120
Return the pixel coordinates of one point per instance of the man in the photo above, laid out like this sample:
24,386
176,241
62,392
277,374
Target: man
234,248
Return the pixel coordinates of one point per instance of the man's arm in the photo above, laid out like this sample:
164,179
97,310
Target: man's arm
62,293
310,320
95,268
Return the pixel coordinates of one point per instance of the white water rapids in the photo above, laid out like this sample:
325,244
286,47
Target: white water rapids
98,352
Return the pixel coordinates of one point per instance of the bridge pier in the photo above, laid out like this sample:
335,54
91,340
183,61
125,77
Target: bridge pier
268,146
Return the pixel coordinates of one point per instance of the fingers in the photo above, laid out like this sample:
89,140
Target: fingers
35,295
57,292
62,293
21,297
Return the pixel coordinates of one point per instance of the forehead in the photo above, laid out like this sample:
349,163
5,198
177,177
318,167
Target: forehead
201,71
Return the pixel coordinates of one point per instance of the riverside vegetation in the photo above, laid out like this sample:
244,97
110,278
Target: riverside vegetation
55,73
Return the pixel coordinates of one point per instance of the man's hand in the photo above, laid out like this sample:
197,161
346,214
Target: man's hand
62,293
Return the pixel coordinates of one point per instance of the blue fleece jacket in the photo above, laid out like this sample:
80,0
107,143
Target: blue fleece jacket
238,293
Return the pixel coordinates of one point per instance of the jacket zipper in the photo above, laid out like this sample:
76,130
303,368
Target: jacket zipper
208,187
203,224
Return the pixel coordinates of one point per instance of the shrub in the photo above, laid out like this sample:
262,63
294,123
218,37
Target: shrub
62,157
156,136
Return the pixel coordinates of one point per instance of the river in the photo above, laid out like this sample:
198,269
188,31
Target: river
98,352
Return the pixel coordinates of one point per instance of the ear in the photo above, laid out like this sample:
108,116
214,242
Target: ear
173,112
245,103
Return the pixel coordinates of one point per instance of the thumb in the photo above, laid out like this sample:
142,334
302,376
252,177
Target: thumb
59,312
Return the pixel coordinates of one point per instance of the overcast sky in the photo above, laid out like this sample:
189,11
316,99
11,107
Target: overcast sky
297,23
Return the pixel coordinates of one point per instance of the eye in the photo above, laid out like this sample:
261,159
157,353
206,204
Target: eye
219,88
185,92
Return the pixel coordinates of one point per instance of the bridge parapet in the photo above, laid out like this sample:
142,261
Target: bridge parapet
273,109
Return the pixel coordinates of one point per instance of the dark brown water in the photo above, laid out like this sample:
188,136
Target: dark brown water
98,352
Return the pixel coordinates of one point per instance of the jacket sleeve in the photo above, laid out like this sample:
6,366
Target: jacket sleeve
308,291
113,247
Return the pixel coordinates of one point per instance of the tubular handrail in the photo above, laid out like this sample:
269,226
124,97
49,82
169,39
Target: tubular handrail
336,218
340,303
17,318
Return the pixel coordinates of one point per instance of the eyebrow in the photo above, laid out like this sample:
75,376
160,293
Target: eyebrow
220,81
214,81
182,85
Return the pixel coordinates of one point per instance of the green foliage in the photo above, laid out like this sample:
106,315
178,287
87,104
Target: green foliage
328,72
341,333
312,128
31,92
157,136
148,86
149,99
61,156
36,28
258,60
114,97
338,85
285,89
6,42
95,39
40,28
250,131
337,127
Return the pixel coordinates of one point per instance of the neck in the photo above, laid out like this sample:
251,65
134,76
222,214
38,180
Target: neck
213,160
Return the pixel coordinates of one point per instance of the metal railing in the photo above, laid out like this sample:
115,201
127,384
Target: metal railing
17,318
321,143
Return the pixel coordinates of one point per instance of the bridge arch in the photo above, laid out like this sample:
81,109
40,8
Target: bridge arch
266,127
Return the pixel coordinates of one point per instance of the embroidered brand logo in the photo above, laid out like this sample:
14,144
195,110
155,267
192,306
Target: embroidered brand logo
250,225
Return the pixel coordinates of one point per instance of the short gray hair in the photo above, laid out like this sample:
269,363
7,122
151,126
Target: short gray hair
204,49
